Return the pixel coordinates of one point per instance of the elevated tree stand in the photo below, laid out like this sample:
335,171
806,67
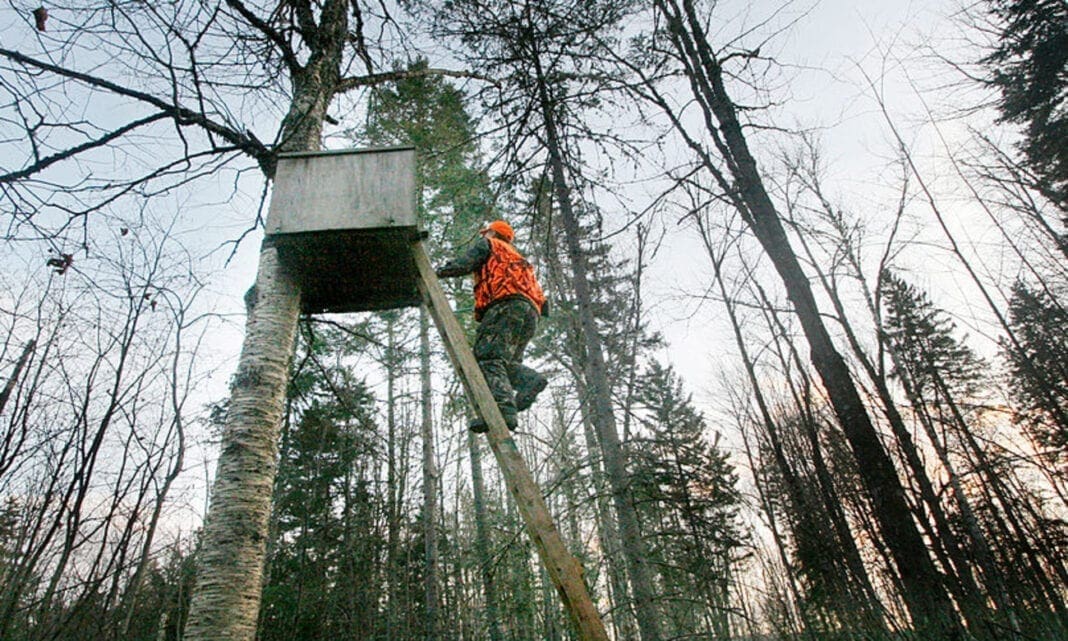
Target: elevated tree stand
342,236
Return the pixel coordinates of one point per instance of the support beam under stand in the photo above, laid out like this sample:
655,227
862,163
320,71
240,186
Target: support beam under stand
564,569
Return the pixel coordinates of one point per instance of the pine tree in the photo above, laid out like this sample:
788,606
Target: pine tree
1039,371
1029,66
922,337
739,179
942,377
686,489
430,114
319,518
542,53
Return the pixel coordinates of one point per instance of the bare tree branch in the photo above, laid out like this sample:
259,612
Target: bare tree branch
353,82
270,32
44,163
182,115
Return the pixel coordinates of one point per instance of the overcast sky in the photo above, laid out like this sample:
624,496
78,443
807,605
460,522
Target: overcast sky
822,49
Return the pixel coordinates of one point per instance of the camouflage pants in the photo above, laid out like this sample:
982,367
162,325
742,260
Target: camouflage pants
502,336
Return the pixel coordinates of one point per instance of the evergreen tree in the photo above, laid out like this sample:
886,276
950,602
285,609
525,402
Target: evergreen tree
721,144
1029,66
929,356
827,595
1039,372
686,489
321,525
542,54
428,113
942,377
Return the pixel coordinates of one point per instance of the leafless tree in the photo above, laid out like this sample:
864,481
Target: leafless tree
94,432
721,146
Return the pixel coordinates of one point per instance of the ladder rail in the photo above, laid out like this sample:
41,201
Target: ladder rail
563,568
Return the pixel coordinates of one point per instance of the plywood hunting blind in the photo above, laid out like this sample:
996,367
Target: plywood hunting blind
344,223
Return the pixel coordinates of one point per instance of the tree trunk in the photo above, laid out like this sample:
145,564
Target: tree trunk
16,373
392,572
600,393
857,574
430,484
226,600
482,542
622,612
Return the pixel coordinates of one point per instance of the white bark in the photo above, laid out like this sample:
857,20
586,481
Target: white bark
226,600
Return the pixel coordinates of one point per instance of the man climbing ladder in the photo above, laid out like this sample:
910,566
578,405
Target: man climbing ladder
508,302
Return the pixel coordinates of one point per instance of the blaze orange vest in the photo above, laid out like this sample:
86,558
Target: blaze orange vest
505,273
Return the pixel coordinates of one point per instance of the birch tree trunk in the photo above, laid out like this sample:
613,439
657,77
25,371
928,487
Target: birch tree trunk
226,600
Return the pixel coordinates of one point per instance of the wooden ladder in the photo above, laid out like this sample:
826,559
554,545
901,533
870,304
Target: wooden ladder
564,569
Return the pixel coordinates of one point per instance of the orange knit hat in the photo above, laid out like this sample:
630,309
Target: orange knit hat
503,229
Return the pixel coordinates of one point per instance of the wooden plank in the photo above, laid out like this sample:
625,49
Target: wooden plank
564,569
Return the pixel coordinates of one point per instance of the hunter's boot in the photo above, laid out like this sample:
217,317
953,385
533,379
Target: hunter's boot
530,384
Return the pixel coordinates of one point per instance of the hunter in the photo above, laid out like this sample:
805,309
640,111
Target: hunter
508,302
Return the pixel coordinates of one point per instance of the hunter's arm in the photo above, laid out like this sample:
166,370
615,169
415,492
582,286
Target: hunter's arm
472,259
